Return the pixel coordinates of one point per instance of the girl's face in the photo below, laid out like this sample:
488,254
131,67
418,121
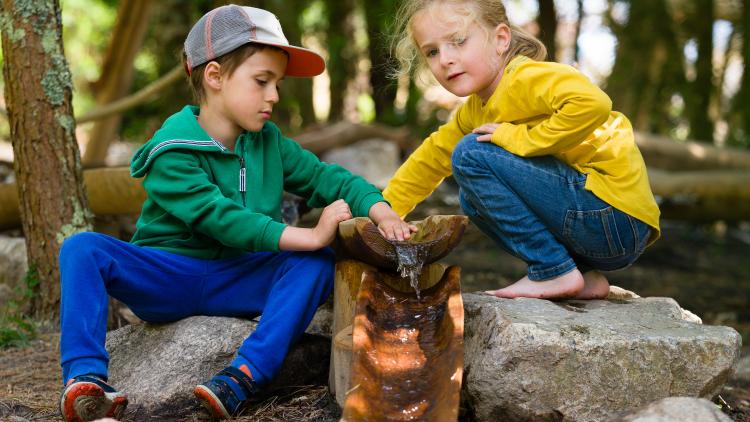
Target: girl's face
463,60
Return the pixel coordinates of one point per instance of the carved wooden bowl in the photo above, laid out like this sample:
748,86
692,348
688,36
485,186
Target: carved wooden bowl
437,236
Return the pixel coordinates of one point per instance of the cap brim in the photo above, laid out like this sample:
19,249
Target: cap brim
302,62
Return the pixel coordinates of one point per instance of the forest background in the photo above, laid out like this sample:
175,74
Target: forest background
675,67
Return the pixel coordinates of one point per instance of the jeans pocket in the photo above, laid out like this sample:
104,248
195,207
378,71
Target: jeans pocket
593,234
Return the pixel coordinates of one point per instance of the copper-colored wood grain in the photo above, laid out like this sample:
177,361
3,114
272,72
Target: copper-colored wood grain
362,241
347,280
407,359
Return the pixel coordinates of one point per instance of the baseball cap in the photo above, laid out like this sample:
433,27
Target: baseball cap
228,27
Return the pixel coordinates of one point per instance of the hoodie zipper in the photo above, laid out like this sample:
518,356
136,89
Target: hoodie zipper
242,179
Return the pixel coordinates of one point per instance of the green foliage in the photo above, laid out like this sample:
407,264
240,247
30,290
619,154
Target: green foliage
16,328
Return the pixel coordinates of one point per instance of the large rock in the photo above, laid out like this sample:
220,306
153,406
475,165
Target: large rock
157,366
678,409
374,159
530,359
13,266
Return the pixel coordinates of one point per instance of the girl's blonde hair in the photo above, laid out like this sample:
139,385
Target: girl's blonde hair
489,13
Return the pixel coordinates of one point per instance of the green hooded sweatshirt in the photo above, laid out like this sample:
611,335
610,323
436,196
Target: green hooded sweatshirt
208,202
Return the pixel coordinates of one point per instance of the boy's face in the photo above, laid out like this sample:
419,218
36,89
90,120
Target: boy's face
247,96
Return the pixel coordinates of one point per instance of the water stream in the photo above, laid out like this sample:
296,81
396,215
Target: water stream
411,258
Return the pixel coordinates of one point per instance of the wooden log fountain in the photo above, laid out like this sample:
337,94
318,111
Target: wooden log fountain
398,354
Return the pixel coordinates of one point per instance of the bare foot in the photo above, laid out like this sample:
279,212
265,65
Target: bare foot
565,286
595,286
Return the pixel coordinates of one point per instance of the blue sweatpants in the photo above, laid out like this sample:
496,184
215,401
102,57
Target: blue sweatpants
285,287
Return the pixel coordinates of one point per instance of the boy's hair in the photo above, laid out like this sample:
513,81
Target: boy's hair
229,63
489,13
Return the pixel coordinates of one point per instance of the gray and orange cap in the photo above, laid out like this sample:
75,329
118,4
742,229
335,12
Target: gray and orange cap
229,27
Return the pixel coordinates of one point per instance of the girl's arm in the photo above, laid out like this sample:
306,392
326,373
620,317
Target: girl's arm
426,167
575,108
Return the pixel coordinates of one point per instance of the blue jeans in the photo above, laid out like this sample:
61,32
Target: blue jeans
538,210
158,286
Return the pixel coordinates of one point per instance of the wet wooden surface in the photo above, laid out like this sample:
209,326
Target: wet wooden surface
407,357
360,239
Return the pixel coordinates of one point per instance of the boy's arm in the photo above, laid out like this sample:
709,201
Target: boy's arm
323,183
180,186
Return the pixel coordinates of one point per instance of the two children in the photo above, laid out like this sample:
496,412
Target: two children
210,240
544,166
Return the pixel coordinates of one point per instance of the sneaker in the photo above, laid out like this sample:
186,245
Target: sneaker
87,398
227,393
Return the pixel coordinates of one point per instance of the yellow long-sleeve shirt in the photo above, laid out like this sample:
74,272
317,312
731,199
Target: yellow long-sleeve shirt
543,108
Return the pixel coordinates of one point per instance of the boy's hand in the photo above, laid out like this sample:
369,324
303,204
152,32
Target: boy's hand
332,215
390,225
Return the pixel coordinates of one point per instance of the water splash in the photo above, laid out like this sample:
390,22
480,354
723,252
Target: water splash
411,258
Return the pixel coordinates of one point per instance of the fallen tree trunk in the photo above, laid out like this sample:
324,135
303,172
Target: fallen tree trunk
690,195
667,154
111,191
703,195
344,133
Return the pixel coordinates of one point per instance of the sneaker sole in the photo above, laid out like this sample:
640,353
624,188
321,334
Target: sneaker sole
89,402
212,403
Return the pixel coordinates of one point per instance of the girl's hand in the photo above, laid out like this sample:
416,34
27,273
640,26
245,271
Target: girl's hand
394,228
486,131
390,225
332,215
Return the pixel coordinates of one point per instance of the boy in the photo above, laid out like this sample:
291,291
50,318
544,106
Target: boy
208,237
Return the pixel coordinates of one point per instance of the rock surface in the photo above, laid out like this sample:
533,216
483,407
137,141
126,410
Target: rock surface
678,409
13,265
530,359
157,366
374,159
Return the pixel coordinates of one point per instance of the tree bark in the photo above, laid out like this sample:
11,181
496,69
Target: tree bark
111,191
740,116
666,154
699,95
547,20
703,196
342,57
648,66
38,90
117,74
378,14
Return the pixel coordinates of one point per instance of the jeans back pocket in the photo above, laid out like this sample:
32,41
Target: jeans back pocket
593,234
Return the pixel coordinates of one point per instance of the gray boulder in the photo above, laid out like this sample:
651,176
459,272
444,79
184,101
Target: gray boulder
678,409
530,359
13,266
158,366
742,373
374,159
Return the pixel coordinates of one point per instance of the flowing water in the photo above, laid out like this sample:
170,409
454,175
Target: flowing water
411,258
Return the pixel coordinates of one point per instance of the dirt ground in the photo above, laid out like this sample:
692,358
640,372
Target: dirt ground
705,268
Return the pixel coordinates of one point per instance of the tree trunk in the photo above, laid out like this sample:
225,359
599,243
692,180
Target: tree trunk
740,117
378,14
38,90
648,67
547,20
342,58
667,154
117,74
579,22
703,195
699,95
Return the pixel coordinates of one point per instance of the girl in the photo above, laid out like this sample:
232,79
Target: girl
544,166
